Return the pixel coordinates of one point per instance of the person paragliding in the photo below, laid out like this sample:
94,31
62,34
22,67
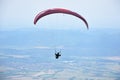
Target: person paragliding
57,54
59,10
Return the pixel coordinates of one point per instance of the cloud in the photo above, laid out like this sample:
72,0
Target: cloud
19,77
113,58
50,47
43,47
48,72
5,69
18,56
13,56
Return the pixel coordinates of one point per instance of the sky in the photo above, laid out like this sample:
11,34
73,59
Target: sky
20,13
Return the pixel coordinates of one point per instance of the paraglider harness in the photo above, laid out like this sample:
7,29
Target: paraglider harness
57,54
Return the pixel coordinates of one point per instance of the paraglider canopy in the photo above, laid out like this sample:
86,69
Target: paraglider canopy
59,10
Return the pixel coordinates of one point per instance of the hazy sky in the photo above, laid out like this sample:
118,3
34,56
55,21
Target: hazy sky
21,13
